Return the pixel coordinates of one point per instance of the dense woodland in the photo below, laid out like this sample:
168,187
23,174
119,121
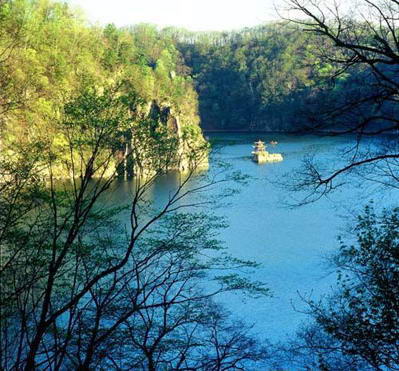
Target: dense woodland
269,78
82,106
52,61
254,79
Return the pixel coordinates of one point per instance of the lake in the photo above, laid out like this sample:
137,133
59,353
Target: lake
291,244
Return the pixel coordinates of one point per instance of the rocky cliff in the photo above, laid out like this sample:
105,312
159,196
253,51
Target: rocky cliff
163,138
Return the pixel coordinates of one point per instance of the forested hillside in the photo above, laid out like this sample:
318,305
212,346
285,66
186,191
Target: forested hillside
54,66
269,78
254,79
275,77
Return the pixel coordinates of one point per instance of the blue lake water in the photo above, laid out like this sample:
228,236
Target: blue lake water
291,244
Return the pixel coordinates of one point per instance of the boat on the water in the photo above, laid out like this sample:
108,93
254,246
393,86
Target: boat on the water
261,156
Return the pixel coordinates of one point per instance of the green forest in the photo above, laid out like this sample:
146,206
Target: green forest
256,79
266,78
92,282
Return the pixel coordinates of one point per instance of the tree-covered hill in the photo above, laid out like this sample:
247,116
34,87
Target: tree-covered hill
50,56
275,77
271,77
254,79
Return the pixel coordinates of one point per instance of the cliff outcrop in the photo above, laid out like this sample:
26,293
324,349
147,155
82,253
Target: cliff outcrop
164,138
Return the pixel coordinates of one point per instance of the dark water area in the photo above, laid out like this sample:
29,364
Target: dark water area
291,244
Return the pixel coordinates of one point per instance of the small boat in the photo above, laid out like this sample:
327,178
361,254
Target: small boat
273,142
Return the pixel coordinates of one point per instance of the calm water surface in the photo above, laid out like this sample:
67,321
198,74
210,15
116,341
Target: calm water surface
290,244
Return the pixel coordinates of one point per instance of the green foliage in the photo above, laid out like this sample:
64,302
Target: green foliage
363,316
49,56
131,296
79,106
254,79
